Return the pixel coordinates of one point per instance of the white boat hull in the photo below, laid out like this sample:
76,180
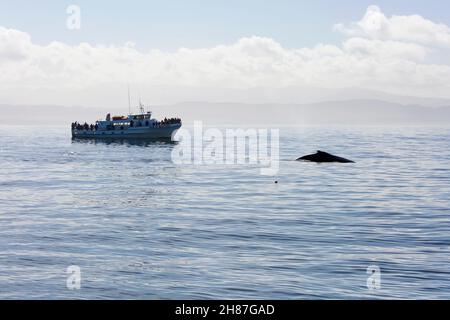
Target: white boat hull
163,132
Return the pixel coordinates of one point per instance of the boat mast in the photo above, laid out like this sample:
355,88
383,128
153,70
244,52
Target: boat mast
141,106
129,100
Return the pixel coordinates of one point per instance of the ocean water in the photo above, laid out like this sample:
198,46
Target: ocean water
140,227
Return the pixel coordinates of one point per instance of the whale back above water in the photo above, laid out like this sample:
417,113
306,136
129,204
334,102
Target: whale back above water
322,157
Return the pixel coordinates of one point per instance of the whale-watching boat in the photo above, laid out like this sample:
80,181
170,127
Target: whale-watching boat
134,126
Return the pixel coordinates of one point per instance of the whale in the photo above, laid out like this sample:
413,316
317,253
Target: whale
322,157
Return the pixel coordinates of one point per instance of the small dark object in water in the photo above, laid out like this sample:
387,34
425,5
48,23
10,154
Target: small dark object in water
321,156
276,182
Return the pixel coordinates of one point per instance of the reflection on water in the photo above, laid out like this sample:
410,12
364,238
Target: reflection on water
141,227
128,141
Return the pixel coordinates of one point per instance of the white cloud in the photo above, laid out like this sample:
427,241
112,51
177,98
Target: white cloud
392,54
14,45
414,28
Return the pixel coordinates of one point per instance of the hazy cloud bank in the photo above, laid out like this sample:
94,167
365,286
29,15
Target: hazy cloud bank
398,54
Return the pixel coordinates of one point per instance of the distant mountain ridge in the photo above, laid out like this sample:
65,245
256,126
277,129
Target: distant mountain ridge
330,112
115,95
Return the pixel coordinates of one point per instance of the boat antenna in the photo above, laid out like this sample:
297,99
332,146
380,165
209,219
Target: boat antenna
129,100
141,106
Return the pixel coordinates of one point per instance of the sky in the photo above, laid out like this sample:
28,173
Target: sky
169,25
186,47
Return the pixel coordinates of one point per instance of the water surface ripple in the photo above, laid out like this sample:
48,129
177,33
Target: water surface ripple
141,227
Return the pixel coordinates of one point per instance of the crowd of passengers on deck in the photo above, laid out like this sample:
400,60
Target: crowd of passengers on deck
85,126
170,121
132,124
